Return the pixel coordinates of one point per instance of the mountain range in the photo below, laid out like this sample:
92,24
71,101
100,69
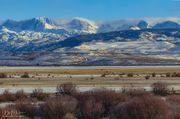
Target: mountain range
79,25
79,41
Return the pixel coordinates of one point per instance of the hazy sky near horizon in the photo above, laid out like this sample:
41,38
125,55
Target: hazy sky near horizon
92,9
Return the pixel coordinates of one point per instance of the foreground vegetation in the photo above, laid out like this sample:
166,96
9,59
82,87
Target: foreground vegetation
68,103
163,102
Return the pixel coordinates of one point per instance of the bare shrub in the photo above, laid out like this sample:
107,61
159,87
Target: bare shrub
121,74
160,88
154,74
7,96
147,77
91,109
168,75
39,94
174,102
175,74
3,75
103,75
177,115
20,95
174,99
25,75
28,108
107,98
57,108
130,75
66,89
136,92
141,108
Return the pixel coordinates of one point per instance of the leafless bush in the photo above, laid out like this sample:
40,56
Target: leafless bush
121,74
160,88
39,94
130,75
28,108
174,102
168,75
141,108
3,75
175,74
136,92
66,89
7,96
98,104
20,95
107,98
177,115
174,99
103,75
91,109
153,74
147,77
57,108
25,75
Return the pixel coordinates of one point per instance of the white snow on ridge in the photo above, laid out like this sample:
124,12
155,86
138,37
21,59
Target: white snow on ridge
80,25
143,47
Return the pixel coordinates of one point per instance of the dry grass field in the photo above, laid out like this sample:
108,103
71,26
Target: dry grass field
89,70
95,77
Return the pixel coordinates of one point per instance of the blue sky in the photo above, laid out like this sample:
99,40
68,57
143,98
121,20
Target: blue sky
92,9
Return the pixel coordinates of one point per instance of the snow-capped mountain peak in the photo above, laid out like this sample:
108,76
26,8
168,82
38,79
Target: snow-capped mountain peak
167,25
82,25
35,24
78,25
46,22
49,40
143,24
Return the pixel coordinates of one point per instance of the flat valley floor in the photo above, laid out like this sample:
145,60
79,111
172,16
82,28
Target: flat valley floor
89,77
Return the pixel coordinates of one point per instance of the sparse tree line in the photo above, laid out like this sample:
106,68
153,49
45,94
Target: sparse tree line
68,103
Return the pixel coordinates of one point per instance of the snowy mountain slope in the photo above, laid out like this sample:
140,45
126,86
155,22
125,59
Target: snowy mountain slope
116,25
124,47
12,40
39,24
42,24
143,25
142,42
37,41
79,26
167,25
39,33
79,41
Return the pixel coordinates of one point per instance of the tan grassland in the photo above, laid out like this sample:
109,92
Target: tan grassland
93,77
